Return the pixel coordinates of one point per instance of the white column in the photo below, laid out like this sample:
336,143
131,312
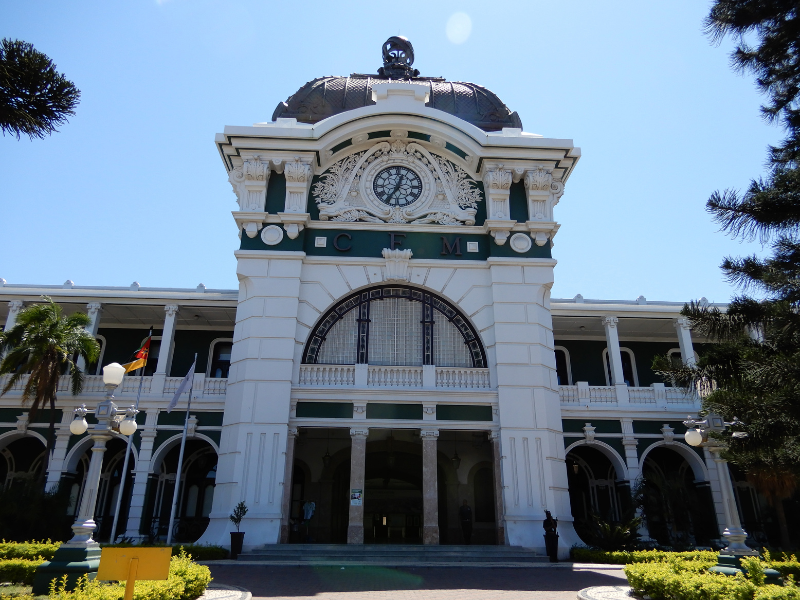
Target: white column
167,346
93,309
430,487
733,527
614,353
13,310
684,330
55,467
140,475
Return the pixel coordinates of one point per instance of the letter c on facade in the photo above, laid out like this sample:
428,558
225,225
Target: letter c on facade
338,246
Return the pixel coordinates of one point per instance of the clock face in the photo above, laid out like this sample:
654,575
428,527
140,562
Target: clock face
397,186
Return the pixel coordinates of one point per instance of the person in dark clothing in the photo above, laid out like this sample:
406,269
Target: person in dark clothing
465,516
551,536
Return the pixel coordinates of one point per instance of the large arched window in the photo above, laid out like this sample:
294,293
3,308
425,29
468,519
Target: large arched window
394,325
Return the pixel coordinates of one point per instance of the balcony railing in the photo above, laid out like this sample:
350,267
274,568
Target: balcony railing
93,385
393,377
657,394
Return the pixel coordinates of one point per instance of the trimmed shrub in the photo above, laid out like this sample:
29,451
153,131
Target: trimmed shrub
690,580
626,557
197,551
187,581
28,550
19,570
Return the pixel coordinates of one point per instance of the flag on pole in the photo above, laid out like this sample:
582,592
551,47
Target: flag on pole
140,357
185,384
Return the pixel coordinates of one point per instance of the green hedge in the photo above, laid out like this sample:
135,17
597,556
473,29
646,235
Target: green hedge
46,549
589,555
187,581
690,580
28,550
19,570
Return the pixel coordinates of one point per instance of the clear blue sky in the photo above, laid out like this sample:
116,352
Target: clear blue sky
660,117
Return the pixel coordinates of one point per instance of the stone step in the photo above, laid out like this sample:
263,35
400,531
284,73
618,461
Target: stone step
386,553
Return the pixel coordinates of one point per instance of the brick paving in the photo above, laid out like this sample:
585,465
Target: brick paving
414,583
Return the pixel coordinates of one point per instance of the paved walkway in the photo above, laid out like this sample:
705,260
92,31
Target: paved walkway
559,582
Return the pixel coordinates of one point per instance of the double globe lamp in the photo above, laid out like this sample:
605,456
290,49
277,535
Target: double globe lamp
112,378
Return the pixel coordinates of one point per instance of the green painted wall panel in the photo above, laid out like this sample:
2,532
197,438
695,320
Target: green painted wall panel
644,352
586,360
655,426
518,201
463,412
122,343
376,410
178,417
187,342
600,425
276,193
325,410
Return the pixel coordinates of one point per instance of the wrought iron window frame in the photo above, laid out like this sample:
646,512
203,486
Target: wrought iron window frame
361,300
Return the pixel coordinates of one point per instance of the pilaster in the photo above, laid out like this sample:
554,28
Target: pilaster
294,217
614,353
497,187
288,472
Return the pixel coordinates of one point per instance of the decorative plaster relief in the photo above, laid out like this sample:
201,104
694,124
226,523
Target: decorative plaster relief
544,192
249,183
345,191
497,185
22,423
520,243
588,432
397,264
668,433
429,433
272,235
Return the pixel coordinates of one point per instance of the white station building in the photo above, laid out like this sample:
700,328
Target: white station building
392,349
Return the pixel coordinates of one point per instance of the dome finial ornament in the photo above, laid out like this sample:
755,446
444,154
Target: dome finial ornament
398,56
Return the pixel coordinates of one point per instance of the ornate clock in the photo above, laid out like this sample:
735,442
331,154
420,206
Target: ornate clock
397,186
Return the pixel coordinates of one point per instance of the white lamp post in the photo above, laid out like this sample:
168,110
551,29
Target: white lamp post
697,435
81,554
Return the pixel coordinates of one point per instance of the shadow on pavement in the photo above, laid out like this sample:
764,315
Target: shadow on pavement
276,581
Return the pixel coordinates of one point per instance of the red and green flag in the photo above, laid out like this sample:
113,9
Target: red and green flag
140,357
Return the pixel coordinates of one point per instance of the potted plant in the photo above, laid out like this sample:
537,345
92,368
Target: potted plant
237,537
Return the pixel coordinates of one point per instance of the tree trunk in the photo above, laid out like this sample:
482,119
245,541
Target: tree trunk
784,527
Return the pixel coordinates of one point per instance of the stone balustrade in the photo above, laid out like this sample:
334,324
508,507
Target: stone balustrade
391,376
656,395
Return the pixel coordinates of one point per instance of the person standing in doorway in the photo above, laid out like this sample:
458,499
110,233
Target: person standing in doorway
465,516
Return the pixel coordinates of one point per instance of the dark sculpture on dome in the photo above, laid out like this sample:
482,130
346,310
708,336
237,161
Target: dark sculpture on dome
398,56
328,96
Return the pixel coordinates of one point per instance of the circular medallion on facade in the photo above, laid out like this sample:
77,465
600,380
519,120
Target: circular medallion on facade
521,242
272,235
397,186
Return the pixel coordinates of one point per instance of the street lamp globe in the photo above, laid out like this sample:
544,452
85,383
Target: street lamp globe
113,374
78,426
693,437
127,426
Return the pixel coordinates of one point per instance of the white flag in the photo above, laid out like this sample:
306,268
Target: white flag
185,384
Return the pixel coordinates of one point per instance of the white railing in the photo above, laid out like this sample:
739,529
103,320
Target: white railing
215,387
130,385
452,377
568,394
394,376
604,394
171,384
327,375
642,395
680,396
657,394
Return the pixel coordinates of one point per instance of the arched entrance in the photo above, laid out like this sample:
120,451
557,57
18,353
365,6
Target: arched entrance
195,496
597,490
677,505
21,460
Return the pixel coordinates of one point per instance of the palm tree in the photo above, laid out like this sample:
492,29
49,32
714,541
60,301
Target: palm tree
42,345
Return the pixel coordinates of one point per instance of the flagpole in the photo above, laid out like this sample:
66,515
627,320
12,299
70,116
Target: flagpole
127,456
180,463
